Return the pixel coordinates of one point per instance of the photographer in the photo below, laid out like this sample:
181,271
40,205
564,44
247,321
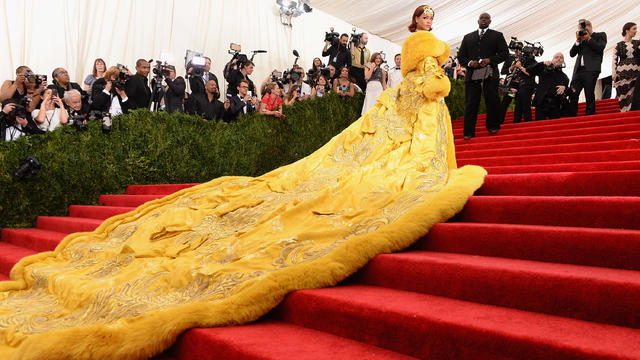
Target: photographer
25,84
360,57
108,94
174,94
343,85
51,113
15,121
320,87
208,104
137,87
197,83
75,108
246,69
314,72
242,102
525,85
552,87
338,54
589,48
297,78
62,83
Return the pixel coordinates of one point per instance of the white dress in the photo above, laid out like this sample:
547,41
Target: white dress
374,89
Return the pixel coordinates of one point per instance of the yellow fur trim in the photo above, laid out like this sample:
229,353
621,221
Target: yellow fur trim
420,45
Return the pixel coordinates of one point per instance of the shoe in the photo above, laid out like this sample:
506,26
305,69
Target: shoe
468,137
493,132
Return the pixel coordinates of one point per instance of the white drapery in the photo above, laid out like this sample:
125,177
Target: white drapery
553,23
45,34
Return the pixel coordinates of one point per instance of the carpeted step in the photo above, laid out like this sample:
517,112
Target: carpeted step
614,248
432,327
540,159
10,255
127,200
551,149
484,137
33,239
4,277
602,183
585,211
564,167
556,125
97,212
65,224
582,292
160,189
508,120
274,340
566,140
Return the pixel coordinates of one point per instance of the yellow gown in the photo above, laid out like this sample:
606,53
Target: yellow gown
227,251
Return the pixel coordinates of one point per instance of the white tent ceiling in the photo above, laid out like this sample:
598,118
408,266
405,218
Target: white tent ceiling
553,23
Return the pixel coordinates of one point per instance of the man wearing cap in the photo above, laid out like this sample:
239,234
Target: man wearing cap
174,94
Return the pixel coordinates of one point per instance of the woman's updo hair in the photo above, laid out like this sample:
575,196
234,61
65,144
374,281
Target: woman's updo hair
627,27
417,13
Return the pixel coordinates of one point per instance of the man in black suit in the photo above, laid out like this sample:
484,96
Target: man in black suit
208,106
108,95
241,103
339,54
174,94
235,76
137,87
481,51
552,88
589,47
197,83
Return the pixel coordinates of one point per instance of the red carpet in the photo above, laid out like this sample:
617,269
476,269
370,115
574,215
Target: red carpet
543,262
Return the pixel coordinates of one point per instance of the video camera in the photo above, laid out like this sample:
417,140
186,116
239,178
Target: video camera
355,38
161,69
35,79
196,62
19,109
583,28
238,60
123,76
527,49
332,37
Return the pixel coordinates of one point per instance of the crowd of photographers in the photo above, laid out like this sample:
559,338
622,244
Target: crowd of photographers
33,103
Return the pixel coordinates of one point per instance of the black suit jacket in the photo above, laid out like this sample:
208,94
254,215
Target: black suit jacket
5,124
197,83
343,57
548,80
492,46
235,108
234,79
101,101
138,92
591,50
208,109
175,94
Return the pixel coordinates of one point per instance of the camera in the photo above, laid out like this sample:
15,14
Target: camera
35,79
583,28
106,119
355,38
29,166
527,49
77,120
332,37
123,76
20,108
161,69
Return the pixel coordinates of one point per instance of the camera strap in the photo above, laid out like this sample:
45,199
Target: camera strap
49,119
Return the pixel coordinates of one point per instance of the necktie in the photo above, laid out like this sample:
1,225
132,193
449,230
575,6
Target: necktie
481,34
362,56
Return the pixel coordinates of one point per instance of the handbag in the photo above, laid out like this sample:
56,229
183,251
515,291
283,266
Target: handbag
484,73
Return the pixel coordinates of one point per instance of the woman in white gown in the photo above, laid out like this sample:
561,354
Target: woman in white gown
376,81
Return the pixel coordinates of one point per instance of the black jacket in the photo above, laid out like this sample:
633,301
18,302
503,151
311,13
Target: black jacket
342,57
208,109
549,78
6,125
523,79
234,79
101,101
175,94
197,83
591,50
138,92
235,108
492,46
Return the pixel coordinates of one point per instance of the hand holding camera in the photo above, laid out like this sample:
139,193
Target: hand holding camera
8,108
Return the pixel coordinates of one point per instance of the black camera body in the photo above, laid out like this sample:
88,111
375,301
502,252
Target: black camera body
28,167
355,38
332,37
527,49
583,28
35,79
161,69
123,76
20,109
77,120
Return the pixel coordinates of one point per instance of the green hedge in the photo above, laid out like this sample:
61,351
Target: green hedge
156,148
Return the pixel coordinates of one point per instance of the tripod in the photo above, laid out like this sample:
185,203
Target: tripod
157,93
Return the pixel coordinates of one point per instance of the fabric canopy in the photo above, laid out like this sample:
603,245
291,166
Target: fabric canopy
553,23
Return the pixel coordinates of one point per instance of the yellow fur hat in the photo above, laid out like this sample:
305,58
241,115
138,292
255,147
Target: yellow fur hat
420,45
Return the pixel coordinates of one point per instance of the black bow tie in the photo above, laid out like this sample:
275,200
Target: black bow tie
397,68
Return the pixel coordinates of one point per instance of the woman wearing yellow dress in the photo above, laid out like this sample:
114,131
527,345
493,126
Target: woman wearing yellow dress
227,251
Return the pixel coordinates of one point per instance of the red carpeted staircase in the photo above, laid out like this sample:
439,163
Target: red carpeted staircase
543,262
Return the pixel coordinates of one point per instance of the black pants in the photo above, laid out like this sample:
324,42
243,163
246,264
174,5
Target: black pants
472,94
550,108
358,75
504,105
586,80
523,104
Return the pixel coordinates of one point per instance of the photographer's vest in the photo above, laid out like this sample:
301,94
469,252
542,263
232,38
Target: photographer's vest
359,56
